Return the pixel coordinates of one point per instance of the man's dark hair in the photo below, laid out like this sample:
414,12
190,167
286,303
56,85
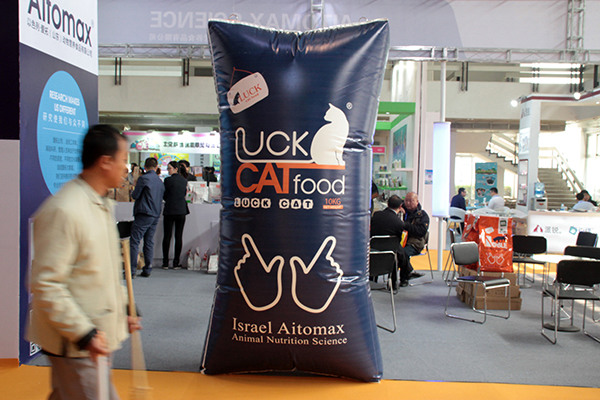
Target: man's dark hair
494,190
579,196
460,190
151,162
185,162
100,140
394,202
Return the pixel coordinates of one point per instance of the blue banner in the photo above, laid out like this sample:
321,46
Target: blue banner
486,177
58,102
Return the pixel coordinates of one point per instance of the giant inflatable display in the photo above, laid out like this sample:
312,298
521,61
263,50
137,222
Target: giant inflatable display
297,117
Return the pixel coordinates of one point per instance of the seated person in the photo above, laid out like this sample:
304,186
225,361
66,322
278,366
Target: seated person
416,223
388,222
376,204
582,204
458,200
496,202
588,198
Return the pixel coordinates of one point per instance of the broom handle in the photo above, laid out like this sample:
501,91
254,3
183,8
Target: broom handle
103,385
127,268
140,376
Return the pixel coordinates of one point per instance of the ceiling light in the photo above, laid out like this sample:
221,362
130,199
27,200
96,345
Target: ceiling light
514,103
576,95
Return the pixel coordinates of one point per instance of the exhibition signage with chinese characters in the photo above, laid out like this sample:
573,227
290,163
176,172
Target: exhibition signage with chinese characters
174,142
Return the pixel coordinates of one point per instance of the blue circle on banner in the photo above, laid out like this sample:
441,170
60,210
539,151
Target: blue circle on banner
61,125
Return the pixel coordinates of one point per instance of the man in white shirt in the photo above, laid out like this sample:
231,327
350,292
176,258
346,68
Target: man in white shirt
582,204
496,202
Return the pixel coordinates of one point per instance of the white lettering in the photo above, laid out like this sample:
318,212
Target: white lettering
155,19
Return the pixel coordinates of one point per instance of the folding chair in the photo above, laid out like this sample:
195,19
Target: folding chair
587,239
449,265
523,248
384,261
587,252
426,248
457,217
583,251
574,281
468,253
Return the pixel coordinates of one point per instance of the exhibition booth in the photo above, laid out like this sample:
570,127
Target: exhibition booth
313,192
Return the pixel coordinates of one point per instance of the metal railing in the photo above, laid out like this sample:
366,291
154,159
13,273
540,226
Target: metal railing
504,147
550,157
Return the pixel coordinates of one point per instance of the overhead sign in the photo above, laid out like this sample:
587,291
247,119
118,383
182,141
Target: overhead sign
65,29
456,23
173,142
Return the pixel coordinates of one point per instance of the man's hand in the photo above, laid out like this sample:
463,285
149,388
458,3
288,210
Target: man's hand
134,323
98,346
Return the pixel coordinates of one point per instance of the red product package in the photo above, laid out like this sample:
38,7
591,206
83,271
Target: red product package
495,243
471,232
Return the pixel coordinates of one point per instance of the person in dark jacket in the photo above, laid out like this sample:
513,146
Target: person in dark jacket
416,223
458,200
174,213
188,171
148,195
389,222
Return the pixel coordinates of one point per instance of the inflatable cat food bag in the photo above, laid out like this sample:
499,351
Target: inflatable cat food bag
297,116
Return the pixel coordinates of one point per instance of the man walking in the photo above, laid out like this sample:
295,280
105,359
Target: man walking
78,307
148,195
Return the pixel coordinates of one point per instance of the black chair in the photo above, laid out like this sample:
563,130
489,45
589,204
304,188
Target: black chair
574,281
384,261
587,239
583,251
523,248
426,248
587,252
468,253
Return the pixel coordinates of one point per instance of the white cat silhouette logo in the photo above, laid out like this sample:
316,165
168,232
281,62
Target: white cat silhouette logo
329,244
328,143
327,146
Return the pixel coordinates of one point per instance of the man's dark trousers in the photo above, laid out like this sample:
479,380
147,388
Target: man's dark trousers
143,227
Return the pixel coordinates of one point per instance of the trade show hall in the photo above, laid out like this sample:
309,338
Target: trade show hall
333,199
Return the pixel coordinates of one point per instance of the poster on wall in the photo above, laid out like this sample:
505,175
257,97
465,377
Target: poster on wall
486,176
399,143
58,67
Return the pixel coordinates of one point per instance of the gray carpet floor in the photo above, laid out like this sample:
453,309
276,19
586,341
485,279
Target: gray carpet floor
426,347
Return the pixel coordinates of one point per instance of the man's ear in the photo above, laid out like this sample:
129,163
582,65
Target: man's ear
105,162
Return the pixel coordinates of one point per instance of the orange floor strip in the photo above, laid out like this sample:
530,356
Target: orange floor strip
32,383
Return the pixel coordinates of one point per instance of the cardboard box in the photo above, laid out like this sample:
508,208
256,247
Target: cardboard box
515,290
495,303
511,276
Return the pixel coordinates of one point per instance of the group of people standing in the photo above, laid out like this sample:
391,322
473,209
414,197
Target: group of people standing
149,193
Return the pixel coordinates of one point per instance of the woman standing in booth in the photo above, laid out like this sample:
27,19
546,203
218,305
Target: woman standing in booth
174,212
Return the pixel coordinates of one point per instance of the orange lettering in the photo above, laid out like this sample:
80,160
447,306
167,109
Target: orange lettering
266,181
238,177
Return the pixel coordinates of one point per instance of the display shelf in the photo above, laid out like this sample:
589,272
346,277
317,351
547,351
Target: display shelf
393,188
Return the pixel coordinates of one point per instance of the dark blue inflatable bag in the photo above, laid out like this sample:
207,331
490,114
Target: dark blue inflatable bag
297,116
